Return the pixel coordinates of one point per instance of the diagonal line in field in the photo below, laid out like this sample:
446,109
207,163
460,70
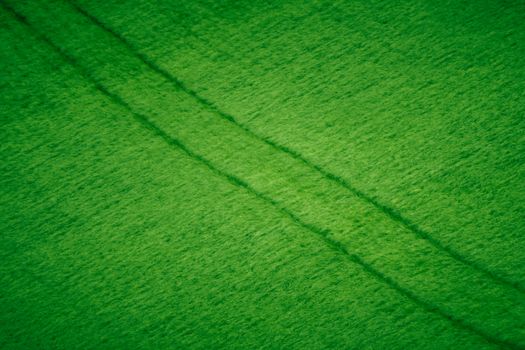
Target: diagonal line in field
391,212
324,235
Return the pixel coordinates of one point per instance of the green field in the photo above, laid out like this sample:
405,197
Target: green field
252,174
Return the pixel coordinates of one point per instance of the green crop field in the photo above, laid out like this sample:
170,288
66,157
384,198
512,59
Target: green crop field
243,174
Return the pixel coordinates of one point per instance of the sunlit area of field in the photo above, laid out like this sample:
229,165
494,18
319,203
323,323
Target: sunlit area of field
262,174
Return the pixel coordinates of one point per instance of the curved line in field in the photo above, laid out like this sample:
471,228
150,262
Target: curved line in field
324,235
392,213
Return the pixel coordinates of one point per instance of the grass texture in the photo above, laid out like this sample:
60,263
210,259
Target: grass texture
262,175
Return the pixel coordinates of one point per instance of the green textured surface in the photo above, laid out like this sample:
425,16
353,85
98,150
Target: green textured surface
244,174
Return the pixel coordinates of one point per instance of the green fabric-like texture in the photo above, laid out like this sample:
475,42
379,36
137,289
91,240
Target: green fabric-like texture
262,175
